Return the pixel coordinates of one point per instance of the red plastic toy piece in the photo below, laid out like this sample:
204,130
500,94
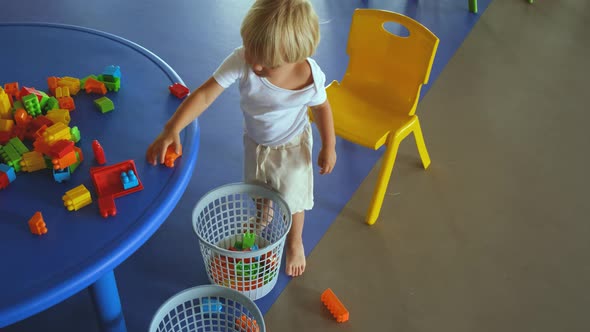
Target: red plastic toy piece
98,153
37,224
171,156
336,307
12,89
95,86
179,90
108,185
66,103
4,180
26,91
60,148
247,324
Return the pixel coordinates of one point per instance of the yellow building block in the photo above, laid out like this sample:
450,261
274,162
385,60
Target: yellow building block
72,83
59,115
56,132
4,105
62,91
77,198
32,161
6,125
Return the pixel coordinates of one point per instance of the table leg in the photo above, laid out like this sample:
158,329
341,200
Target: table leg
105,296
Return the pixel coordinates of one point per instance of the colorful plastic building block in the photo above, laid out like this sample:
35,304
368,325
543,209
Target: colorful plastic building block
52,104
67,160
22,118
92,85
9,171
32,104
211,305
62,91
59,115
4,181
56,132
10,156
37,224
66,102
4,104
77,198
52,84
83,81
129,180
32,161
112,70
246,324
336,308
61,175
104,104
18,145
75,132
248,240
72,83
178,90
112,83
12,90
171,156
6,125
108,186
98,153
61,148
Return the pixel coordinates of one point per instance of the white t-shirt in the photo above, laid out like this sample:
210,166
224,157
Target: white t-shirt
272,115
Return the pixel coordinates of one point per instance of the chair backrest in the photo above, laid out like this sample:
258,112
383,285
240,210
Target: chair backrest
384,66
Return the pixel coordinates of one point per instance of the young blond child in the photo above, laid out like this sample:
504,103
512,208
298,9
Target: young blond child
277,83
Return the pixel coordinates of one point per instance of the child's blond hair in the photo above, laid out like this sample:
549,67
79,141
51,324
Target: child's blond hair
275,32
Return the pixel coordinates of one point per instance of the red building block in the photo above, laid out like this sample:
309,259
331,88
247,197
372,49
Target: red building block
4,180
66,103
60,148
98,153
95,86
179,90
12,90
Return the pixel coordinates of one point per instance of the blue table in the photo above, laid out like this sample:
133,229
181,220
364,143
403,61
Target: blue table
81,248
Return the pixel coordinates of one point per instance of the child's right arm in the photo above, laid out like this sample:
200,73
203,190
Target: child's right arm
196,103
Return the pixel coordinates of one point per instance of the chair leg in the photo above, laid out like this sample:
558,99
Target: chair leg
473,6
383,179
420,144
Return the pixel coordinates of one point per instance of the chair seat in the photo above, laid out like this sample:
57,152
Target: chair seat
359,121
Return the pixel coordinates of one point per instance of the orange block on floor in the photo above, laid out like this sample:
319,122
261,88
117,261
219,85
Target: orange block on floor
37,224
333,304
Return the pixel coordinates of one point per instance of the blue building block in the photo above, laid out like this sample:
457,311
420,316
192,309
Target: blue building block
9,172
211,305
112,70
129,180
61,175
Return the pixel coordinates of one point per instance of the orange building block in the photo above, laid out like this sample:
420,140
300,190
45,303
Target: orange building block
37,224
95,86
22,118
65,161
12,89
52,84
333,304
66,102
246,324
171,156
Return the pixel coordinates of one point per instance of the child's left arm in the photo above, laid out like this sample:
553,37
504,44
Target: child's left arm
322,115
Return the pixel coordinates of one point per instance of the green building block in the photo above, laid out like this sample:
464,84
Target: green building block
10,156
112,83
83,81
18,145
17,104
248,240
32,105
51,104
75,132
247,270
104,104
44,99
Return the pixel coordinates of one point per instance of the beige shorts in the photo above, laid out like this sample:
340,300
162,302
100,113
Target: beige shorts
286,168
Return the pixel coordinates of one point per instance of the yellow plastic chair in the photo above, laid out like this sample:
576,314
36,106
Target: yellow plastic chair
376,101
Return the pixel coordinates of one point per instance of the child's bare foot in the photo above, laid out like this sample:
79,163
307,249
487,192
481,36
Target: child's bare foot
295,258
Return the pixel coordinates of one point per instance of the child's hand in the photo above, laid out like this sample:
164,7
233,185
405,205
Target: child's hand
327,160
157,150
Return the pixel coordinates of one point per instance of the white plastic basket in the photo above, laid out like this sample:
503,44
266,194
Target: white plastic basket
208,308
222,217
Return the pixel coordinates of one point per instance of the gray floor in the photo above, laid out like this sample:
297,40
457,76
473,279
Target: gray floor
495,236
